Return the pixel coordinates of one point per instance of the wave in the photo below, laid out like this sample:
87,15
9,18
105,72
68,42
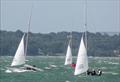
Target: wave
115,63
113,73
67,81
103,67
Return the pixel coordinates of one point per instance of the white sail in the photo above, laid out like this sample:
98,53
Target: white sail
82,60
19,57
68,59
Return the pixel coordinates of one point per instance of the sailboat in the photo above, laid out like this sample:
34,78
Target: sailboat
82,59
18,64
68,59
19,58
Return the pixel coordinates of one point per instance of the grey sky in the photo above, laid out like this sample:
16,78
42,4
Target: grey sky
61,15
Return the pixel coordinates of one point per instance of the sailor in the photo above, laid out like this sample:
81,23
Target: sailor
73,65
28,68
93,72
34,65
88,72
99,72
34,68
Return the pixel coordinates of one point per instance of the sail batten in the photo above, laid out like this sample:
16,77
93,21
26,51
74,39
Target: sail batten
82,61
19,57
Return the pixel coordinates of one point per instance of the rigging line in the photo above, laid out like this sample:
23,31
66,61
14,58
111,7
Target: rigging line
29,24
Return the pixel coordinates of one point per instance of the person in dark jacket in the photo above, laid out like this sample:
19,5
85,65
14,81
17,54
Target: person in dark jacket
94,72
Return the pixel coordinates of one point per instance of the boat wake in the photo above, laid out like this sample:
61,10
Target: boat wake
113,73
115,63
52,65
16,70
47,68
67,81
103,67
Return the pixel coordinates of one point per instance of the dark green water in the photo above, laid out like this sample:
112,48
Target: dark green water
110,67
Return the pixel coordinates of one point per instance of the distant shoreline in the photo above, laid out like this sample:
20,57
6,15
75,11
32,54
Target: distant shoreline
55,44
64,56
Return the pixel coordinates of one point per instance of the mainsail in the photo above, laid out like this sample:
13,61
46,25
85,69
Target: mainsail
82,60
19,57
68,59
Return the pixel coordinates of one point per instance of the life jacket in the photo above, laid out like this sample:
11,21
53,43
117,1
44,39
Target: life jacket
73,65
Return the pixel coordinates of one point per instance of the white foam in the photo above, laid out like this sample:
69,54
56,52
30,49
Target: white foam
113,73
67,81
103,67
109,62
47,67
53,65
15,70
115,63
8,71
26,60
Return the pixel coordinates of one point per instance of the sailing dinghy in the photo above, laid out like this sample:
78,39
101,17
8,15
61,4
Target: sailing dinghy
68,59
18,64
82,59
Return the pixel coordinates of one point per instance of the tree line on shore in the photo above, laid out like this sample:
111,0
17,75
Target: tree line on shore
55,44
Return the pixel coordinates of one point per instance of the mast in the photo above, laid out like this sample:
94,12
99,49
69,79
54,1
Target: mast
119,16
29,24
71,39
85,24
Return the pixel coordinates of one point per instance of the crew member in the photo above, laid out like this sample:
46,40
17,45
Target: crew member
73,65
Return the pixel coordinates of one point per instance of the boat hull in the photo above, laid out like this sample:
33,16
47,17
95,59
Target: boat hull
18,70
25,68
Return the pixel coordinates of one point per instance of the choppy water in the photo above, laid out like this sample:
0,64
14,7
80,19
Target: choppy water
61,73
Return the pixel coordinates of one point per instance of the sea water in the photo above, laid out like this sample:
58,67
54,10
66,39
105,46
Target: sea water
60,73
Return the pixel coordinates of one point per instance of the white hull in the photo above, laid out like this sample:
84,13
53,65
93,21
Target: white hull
37,69
17,70
23,69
